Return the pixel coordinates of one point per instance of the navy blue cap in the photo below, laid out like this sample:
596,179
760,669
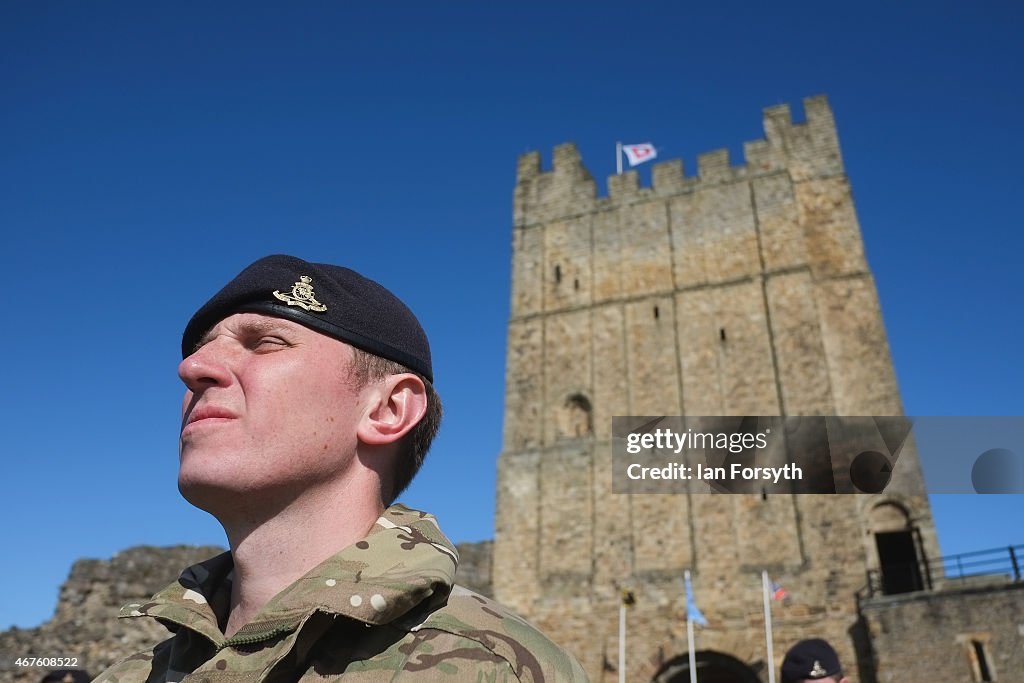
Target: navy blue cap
810,660
333,300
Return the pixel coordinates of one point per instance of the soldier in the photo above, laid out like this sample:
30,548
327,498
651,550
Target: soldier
812,660
309,406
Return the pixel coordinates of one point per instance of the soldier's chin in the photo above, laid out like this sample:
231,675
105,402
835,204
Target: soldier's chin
212,496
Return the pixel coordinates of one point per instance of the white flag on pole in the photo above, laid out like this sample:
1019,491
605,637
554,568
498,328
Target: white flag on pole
638,154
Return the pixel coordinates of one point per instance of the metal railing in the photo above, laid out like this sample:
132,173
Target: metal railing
1006,563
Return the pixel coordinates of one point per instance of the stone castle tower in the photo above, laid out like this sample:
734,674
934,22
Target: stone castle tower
741,291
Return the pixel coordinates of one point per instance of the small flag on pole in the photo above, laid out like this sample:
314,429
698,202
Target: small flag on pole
778,592
638,154
693,612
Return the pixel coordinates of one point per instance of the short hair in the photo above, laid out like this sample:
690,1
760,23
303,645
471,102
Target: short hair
368,367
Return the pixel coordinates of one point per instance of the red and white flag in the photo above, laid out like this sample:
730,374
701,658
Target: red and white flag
638,154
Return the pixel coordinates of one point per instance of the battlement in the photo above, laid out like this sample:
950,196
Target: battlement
805,150
734,290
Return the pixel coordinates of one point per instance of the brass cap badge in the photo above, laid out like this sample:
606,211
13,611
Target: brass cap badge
302,296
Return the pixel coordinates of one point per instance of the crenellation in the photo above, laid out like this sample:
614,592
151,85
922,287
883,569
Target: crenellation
742,290
809,149
823,140
817,112
566,158
623,186
567,190
528,166
714,166
762,157
778,120
806,151
667,177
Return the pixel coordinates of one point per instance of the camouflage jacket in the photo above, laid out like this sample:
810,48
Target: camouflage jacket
383,609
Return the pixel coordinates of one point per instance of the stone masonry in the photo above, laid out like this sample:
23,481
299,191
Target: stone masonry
960,633
85,624
742,290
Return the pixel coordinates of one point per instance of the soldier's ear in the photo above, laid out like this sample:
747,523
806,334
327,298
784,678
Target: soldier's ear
392,407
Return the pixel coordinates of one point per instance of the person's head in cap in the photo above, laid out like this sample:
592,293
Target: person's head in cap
812,660
308,388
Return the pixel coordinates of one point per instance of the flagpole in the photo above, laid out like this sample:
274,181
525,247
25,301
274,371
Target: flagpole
689,635
768,626
618,158
622,644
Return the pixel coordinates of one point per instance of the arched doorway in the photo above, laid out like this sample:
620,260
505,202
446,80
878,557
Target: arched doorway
899,551
712,667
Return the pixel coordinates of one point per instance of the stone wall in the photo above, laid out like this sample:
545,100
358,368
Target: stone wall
85,623
942,636
742,290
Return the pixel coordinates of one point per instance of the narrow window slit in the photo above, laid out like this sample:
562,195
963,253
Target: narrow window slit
979,653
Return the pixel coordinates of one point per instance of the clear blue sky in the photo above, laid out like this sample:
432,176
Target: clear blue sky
151,150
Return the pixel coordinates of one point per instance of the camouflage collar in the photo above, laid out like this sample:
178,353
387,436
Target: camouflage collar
404,562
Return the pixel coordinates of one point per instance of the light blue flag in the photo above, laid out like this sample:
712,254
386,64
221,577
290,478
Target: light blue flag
693,612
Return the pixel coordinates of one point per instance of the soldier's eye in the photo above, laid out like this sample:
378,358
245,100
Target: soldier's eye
268,342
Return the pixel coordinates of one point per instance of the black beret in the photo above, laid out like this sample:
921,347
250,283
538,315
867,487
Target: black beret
333,300
810,660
